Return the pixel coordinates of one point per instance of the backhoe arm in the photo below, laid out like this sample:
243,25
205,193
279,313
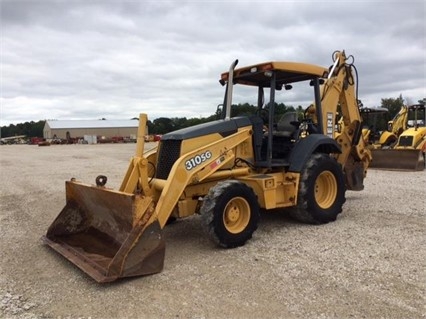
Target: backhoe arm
399,122
338,94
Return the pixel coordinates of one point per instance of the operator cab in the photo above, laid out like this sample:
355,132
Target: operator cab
416,115
276,126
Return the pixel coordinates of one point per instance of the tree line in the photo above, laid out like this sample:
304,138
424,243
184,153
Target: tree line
164,125
30,129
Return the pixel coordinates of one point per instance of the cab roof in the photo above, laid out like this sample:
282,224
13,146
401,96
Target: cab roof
286,72
416,107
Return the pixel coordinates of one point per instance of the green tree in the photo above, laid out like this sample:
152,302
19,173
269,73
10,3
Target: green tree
243,109
30,129
393,105
194,121
162,125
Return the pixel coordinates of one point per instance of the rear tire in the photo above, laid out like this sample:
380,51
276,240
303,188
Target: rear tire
230,213
321,192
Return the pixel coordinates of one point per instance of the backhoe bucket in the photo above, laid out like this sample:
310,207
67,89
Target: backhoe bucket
398,159
108,234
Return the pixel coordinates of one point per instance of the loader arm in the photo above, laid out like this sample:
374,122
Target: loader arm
137,172
187,171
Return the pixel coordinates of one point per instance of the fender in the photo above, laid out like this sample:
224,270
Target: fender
305,147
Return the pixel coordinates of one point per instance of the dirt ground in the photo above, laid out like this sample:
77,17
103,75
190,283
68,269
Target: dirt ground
370,263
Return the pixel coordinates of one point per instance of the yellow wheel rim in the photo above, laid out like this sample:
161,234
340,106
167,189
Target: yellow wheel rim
236,215
325,189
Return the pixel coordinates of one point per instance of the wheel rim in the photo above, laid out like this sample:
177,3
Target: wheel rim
325,190
236,215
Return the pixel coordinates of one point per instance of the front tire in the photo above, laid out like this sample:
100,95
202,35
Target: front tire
230,213
321,192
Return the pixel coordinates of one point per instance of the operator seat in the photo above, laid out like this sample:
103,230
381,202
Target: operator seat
287,125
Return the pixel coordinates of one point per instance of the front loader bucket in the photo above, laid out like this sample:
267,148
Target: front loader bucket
107,234
398,159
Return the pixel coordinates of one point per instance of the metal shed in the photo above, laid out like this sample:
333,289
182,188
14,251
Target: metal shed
64,129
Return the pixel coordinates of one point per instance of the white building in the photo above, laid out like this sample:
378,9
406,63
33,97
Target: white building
65,129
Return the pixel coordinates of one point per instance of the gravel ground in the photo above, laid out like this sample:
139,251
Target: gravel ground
370,263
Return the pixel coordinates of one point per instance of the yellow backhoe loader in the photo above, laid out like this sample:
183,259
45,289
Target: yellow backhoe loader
400,146
226,170
372,128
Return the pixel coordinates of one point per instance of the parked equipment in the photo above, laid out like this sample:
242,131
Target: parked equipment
374,124
225,170
400,147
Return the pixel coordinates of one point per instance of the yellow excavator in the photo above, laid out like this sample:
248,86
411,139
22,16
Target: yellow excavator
226,170
401,146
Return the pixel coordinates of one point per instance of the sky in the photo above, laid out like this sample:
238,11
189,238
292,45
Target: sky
115,59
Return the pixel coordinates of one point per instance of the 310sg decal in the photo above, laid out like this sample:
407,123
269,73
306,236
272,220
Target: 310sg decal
197,160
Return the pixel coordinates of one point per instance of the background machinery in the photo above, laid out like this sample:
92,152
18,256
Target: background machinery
400,146
374,124
226,170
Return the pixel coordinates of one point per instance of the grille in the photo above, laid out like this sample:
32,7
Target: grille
167,156
405,141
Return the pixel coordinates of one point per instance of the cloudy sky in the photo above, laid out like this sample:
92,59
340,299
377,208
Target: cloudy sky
115,59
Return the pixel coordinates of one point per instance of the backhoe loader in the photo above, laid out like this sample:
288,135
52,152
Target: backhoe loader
373,119
400,146
226,170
